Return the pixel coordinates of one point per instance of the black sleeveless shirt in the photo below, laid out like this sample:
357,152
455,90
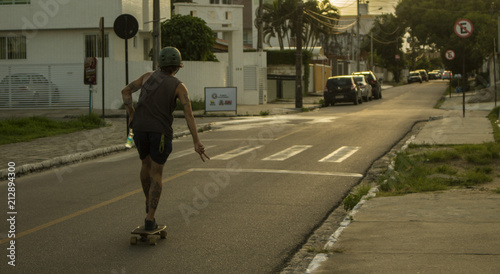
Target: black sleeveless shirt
157,102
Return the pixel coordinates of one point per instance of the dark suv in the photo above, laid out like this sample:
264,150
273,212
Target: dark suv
373,81
342,89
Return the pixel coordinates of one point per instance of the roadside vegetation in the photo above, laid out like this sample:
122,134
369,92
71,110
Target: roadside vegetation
422,168
425,168
26,129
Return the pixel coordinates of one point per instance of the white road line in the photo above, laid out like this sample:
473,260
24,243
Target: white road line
236,152
287,153
185,152
278,171
340,154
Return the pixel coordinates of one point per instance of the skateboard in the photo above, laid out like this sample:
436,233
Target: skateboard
144,235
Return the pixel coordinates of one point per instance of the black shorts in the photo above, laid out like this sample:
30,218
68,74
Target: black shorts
150,143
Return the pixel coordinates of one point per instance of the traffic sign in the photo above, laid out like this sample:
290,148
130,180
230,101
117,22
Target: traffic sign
126,26
463,28
449,55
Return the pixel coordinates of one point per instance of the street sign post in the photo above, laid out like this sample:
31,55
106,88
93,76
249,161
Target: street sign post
463,28
126,27
449,55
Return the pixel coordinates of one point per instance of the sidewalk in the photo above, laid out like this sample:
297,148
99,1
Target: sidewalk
456,231
53,152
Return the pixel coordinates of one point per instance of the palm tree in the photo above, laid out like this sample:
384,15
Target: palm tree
274,18
320,19
280,17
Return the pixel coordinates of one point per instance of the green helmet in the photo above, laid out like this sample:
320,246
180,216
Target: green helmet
169,56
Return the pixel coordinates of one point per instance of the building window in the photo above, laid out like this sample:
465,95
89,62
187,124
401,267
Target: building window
193,13
229,15
227,2
93,45
14,2
214,2
12,47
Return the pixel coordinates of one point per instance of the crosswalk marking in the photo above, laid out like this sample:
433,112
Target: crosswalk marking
185,152
337,156
236,152
340,154
287,153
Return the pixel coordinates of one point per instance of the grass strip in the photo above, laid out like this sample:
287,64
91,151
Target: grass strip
16,130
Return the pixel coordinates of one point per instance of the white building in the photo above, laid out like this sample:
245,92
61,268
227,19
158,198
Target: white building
50,39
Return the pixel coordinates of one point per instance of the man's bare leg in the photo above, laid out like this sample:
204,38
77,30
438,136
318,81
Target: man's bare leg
145,176
156,172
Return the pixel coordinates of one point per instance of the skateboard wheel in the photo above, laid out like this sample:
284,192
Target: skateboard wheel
163,234
133,240
152,241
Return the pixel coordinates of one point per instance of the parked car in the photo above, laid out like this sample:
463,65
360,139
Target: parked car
28,89
435,74
424,75
414,76
366,89
447,75
342,89
373,81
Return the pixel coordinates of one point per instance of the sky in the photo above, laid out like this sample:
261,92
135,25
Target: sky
348,7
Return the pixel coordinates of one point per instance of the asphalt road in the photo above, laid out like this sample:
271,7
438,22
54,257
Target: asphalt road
271,181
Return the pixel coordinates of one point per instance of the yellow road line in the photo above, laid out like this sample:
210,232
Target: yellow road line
83,211
286,135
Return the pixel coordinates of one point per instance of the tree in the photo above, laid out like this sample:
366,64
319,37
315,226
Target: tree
431,23
387,40
191,35
320,19
275,19
280,17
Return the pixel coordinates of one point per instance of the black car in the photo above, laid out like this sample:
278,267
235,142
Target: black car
414,77
373,81
342,89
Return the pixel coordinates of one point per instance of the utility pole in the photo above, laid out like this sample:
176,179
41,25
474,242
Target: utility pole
358,54
298,61
260,31
371,51
156,32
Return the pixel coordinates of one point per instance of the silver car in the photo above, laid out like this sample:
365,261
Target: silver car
27,89
366,89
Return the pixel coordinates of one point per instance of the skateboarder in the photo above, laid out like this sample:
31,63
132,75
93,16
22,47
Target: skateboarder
151,119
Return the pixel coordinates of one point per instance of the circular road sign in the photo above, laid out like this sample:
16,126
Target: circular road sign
450,55
463,28
126,26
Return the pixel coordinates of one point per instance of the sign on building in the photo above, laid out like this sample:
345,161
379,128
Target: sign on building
220,99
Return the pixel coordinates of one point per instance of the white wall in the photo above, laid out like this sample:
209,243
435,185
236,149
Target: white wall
197,75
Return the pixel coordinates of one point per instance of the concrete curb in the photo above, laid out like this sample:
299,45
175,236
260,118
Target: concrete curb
322,257
79,157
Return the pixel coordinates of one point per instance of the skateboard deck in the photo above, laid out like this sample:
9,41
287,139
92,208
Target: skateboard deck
148,235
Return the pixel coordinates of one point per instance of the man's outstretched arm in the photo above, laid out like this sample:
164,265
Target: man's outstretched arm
183,96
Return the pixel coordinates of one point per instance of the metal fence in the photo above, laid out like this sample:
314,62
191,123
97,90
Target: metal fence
43,87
